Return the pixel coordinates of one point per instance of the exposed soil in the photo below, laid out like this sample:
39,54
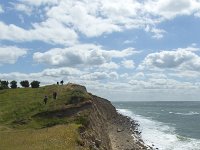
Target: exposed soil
66,111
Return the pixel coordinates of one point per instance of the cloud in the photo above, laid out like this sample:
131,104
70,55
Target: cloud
10,54
22,8
128,42
182,58
47,76
109,66
157,33
50,76
169,9
129,64
197,14
121,54
39,2
100,16
161,84
76,55
94,18
83,54
44,31
1,9
187,74
100,76
86,21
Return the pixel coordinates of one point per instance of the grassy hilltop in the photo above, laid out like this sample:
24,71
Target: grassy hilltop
27,123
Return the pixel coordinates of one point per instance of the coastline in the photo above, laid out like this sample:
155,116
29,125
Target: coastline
124,134
121,132
93,123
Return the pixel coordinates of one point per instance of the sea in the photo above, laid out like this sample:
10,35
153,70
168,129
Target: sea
166,125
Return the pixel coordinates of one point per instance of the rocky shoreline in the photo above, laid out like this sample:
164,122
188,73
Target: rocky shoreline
124,134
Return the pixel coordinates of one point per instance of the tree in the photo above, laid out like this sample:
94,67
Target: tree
35,84
1,88
24,83
4,85
13,84
62,82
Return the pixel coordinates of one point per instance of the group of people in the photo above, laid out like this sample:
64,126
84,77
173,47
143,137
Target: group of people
46,97
54,93
61,82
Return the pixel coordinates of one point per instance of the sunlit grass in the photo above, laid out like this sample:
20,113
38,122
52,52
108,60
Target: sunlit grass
19,105
21,128
60,137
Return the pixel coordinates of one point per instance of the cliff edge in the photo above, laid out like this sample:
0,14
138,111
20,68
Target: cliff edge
109,130
74,120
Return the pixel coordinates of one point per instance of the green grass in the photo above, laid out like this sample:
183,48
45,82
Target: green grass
22,127
17,106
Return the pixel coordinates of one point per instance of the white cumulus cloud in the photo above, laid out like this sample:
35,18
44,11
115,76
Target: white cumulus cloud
44,31
182,58
10,54
64,20
83,54
168,9
128,64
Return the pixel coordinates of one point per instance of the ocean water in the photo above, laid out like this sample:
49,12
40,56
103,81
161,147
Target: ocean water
167,125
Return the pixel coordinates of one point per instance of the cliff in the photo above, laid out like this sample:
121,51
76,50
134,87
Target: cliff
75,120
108,130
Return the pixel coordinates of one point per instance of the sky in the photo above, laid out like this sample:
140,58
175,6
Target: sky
122,50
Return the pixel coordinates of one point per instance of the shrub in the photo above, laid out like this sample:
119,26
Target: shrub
24,83
76,97
75,100
4,85
83,120
35,84
13,84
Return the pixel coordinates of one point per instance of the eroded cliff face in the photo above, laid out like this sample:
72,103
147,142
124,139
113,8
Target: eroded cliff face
105,129
96,136
108,130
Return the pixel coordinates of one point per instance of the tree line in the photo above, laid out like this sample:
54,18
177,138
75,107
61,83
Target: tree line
13,84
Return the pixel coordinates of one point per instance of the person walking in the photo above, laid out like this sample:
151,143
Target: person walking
45,99
54,95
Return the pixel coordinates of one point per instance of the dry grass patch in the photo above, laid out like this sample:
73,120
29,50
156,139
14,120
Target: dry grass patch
60,137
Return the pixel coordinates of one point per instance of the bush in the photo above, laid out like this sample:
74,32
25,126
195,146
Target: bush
4,85
77,96
75,100
24,83
35,84
13,84
83,120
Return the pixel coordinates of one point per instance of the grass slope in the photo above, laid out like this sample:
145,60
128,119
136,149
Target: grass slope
22,128
60,137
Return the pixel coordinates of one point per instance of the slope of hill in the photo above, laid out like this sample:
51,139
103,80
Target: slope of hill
76,120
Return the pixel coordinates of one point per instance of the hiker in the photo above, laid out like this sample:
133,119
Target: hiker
45,99
57,83
55,95
61,82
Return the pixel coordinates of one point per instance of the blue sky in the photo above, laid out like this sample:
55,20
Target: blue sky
121,50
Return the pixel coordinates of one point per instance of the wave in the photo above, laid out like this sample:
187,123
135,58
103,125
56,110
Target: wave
185,114
160,135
